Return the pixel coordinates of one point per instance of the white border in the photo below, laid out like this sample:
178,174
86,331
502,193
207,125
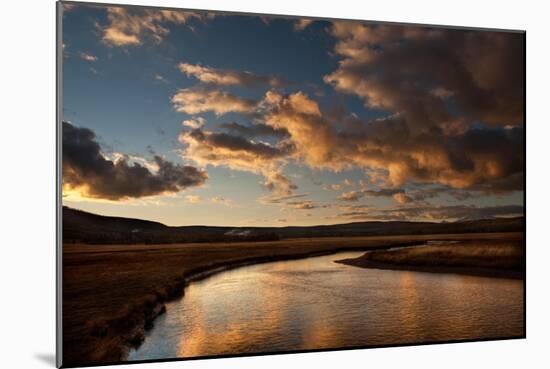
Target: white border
28,181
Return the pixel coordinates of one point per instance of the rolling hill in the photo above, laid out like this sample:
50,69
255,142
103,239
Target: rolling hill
83,227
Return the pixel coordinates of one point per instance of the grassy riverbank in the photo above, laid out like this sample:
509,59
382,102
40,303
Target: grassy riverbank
112,293
491,258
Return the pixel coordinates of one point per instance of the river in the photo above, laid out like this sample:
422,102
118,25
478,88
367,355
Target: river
315,303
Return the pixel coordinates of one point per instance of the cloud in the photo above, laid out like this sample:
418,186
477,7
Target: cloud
88,172
414,70
435,213
480,156
338,186
294,201
254,130
356,195
193,199
281,199
302,24
160,78
88,57
195,101
332,187
301,117
194,123
302,205
392,154
277,182
351,196
221,201
238,153
402,198
130,26
225,77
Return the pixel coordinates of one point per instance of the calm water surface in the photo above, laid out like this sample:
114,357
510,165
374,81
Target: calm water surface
316,303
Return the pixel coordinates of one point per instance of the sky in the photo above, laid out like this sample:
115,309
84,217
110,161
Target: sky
206,118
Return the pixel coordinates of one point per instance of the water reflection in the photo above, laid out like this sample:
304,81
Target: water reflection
316,303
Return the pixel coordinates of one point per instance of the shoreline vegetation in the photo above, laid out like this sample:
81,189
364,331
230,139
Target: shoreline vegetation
113,293
488,258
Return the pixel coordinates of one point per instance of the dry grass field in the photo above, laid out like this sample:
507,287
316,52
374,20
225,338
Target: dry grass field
492,258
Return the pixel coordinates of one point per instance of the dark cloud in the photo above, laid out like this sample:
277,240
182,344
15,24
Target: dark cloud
254,130
430,74
86,169
237,143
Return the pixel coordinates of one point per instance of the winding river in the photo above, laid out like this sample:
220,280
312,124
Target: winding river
315,303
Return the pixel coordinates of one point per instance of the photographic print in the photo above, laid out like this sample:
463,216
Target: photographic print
246,184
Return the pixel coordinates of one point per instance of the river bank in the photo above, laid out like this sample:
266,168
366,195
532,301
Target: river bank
489,258
113,293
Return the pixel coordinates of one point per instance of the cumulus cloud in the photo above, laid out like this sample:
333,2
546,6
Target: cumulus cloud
129,26
301,117
480,156
87,171
195,101
414,70
454,112
238,153
226,77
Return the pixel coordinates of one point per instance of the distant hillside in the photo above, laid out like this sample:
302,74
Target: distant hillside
81,226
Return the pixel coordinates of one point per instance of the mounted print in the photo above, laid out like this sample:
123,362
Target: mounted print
246,184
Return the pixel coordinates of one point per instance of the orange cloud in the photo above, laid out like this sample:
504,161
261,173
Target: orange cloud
128,27
302,24
194,101
462,160
238,153
225,77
